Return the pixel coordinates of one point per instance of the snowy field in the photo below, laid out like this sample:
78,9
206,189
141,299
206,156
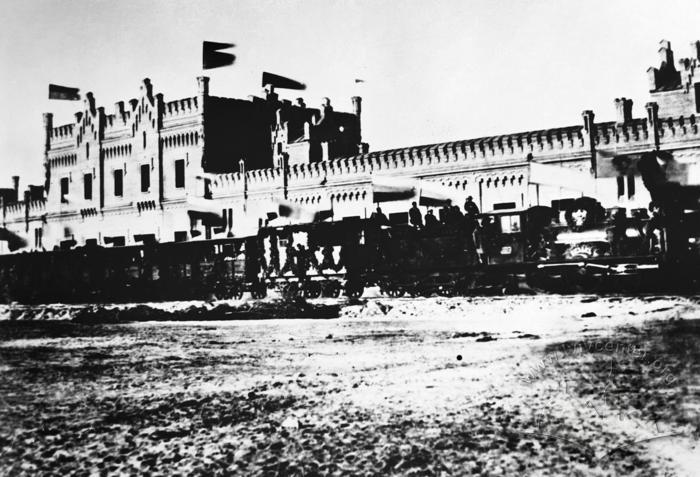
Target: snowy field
520,385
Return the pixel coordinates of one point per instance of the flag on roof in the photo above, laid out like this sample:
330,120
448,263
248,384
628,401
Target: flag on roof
213,58
63,92
281,82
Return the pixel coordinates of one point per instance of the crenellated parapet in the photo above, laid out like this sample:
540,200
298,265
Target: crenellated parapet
37,206
181,107
634,131
15,211
678,130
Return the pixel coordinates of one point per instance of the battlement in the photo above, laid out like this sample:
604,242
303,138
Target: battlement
635,130
181,107
674,129
17,212
62,135
37,206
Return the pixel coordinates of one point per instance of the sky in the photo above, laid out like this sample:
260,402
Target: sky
433,70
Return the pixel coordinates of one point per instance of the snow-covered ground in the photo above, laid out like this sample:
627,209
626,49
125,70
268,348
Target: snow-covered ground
533,385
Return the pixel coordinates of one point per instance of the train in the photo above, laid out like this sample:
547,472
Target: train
574,245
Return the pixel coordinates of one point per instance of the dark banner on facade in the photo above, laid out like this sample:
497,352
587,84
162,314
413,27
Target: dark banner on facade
611,164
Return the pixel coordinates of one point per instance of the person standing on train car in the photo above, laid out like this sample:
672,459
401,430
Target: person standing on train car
654,227
289,259
379,218
431,222
302,261
415,217
328,262
470,208
619,231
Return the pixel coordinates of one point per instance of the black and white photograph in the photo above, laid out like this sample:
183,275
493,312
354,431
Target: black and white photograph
350,237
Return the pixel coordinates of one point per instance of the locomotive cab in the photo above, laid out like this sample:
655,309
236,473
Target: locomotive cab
502,237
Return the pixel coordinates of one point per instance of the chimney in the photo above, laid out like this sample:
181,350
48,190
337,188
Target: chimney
357,106
623,107
15,186
203,85
652,112
147,88
133,103
301,103
666,55
90,102
48,130
588,118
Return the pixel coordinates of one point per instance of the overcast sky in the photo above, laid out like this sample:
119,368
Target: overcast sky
433,70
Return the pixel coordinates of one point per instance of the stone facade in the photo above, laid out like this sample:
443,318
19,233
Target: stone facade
244,154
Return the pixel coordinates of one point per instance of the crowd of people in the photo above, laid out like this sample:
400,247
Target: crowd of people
449,215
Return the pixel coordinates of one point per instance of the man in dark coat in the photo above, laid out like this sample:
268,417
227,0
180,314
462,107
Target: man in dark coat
415,217
470,208
431,222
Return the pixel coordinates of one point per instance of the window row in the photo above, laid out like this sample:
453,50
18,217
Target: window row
118,181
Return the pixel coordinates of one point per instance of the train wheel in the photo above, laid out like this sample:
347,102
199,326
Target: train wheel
258,291
354,290
237,293
331,289
395,292
336,289
312,290
446,290
291,290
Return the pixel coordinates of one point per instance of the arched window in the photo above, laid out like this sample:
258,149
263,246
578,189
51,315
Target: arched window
87,150
144,139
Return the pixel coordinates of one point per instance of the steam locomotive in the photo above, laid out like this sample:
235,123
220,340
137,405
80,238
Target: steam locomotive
573,246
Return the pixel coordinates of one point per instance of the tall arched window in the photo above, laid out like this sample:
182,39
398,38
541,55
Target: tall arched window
144,139
87,150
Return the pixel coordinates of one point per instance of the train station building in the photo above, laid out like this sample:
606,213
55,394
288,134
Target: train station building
153,170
